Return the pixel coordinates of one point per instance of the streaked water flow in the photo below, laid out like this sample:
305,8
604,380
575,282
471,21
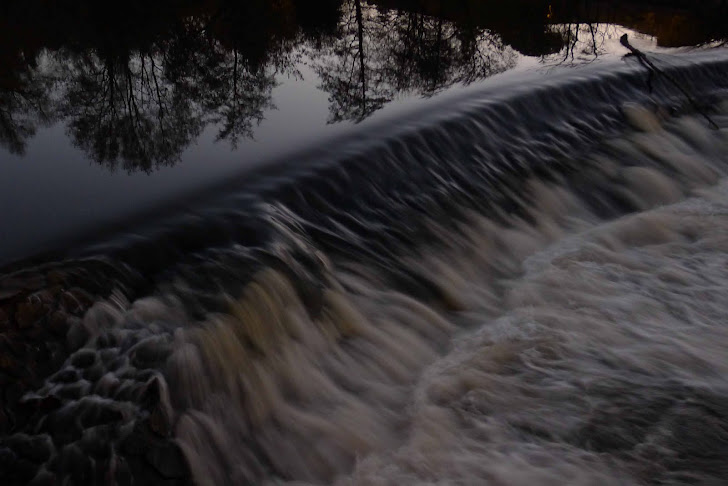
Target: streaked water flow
527,289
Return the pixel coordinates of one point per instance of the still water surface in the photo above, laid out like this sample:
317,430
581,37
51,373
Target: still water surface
105,114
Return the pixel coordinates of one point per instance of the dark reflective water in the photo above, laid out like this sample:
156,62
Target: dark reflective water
418,243
99,101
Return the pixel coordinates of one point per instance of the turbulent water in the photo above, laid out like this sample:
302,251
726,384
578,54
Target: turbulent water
528,289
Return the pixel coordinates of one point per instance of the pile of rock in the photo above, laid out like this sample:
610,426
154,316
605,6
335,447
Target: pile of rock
37,310
80,405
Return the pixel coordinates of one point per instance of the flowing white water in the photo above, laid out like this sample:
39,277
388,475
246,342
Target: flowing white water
466,313
606,365
588,352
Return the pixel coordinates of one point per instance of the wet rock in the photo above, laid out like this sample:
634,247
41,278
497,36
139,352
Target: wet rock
63,425
145,375
27,281
77,335
167,459
58,323
139,440
119,470
97,445
74,391
43,478
76,300
29,313
42,404
14,392
9,365
83,358
128,339
161,421
18,471
109,354
14,469
102,315
68,375
36,333
12,343
16,415
126,390
10,294
56,355
94,373
107,385
74,463
4,421
46,353
4,319
136,393
144,449
127,373
46,296
106,339
102,413
56,277
155,397
7,456
37,449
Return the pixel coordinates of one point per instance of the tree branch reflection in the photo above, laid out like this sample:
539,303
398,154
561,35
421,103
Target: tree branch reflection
382,53
136,84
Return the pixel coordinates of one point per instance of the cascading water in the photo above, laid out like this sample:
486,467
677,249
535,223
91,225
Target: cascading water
526,290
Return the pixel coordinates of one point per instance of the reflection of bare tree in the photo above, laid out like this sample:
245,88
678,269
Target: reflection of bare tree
142,109
137,98
421,51
232,91
354,85
240,103
426,54
583,42
383,53
25,105
123,109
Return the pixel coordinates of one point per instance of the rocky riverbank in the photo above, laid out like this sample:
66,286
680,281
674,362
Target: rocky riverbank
70,412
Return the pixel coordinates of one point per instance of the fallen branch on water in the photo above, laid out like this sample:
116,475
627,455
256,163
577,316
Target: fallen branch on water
653,70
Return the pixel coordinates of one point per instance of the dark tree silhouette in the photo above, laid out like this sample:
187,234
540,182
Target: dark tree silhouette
123,110
426,54
140,109
383,53
136,99
22,111
25,102
345,68
136,82
229,89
